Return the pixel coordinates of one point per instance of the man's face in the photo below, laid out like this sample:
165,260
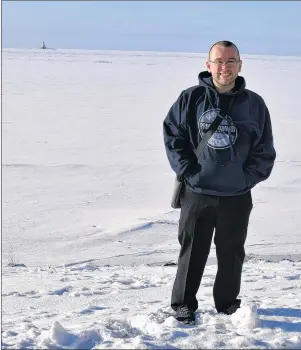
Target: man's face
224,65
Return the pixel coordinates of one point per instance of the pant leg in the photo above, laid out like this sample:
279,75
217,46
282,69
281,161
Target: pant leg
196,227
230,235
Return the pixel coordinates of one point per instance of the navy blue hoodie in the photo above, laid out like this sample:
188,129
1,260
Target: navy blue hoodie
240,153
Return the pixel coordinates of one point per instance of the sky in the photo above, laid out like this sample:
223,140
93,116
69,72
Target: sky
257,27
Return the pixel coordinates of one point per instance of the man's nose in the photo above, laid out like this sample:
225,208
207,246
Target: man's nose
224,66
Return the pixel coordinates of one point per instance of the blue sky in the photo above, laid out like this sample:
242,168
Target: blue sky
257,27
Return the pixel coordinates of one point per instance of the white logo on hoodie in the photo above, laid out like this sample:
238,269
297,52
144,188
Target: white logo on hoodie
226,133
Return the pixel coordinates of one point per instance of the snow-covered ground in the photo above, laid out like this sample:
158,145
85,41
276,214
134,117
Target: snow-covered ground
86,190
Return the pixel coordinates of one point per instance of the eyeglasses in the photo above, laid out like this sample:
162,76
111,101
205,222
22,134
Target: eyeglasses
230,62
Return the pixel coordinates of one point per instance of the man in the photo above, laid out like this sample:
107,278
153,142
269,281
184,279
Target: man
217,194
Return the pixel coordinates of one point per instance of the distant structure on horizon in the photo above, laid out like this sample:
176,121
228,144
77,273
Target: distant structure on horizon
43,46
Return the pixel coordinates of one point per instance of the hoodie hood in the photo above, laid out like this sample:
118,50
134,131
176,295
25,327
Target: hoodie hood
205,79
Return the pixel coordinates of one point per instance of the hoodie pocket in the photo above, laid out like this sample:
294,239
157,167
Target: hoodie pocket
226,178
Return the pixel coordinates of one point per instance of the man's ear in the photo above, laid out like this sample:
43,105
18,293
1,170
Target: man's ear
208,66
239,67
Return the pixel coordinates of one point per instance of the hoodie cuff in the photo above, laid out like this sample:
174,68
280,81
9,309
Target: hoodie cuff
249,177
192,171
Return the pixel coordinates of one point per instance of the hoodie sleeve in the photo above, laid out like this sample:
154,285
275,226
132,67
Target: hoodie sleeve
178,147
262,156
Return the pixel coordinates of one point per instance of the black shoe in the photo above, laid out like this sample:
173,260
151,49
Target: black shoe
185,315
230,309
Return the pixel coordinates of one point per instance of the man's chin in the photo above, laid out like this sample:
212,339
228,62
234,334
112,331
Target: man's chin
224,82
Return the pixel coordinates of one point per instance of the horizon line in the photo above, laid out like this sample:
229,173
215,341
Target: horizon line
132,50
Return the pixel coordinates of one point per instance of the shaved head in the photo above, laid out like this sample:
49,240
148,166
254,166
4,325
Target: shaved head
224,43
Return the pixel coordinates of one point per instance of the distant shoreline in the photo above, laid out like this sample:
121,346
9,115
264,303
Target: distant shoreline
180,53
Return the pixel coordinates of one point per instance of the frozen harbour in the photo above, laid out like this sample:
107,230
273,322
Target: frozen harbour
86,206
